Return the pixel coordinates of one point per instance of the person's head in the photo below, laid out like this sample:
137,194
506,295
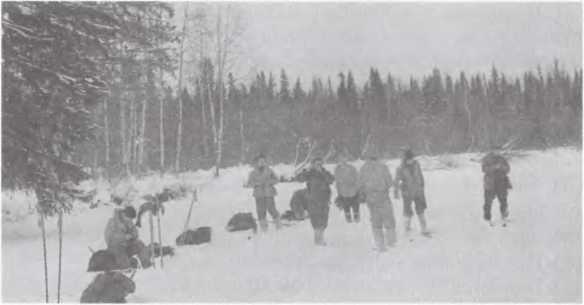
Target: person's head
117,200
129,212
260,161
496,148
343,157
317,163
407,154
372,152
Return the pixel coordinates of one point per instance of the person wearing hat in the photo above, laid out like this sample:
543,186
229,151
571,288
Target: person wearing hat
262,179
495,183
318,181
375,181
347,185
121,237
410,180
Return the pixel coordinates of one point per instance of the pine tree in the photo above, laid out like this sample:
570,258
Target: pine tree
342,91
284,88
271,87
298,93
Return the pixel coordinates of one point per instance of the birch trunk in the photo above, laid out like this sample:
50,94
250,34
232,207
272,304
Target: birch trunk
123,129
204,124
142,137
241,135
161,129
179,94
132,140
106,136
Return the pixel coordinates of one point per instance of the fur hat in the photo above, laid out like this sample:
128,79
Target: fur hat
130,212
407,152
258,157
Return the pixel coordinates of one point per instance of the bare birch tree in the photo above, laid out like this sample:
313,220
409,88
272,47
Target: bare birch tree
228,30
179,91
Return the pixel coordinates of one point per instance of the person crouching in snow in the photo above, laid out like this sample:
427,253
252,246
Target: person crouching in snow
410,180
375,182
262,179
318,181
121,237
346,182
496,183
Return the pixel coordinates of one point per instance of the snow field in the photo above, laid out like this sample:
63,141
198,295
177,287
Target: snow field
536,258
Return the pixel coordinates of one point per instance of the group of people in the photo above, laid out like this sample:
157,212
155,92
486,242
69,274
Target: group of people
370,185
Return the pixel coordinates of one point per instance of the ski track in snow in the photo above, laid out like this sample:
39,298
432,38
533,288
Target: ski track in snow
536,258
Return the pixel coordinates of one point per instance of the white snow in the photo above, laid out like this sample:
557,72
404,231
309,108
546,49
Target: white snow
536,258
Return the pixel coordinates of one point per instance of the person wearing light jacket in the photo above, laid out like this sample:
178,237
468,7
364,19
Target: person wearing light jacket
121,237
347,185
375,181
262,179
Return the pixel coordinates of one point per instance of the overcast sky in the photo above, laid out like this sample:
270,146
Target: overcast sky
409,38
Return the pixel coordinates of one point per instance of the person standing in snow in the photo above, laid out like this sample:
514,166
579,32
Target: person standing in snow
318,181
375,182
121,237
346,182
496,183
262,179
410,180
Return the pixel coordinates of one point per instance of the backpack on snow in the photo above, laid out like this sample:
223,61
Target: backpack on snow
194,237
242,222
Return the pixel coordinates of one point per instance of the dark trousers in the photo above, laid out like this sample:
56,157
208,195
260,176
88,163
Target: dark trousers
419,205
350,204
266,204
318,213
125,251
490,194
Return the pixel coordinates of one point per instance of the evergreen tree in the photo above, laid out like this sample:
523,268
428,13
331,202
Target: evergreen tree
352,96
284,88
298,93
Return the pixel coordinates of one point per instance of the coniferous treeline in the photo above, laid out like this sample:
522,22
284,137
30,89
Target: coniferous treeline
434,114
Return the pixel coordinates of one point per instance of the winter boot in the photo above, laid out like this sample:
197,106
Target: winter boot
319,237
423,225
321,241
316,237
348,217
408,224
264,225
390,238
278,223
379,240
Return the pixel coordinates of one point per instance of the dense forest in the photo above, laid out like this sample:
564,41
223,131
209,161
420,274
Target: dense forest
130,92
434,114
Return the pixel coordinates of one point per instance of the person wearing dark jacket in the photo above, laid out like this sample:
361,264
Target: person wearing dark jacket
496,183
262,179
318,181
410,181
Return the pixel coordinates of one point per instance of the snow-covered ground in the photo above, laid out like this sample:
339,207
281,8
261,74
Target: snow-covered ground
536,258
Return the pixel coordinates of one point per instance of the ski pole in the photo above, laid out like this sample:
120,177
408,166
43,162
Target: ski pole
190,210
160,234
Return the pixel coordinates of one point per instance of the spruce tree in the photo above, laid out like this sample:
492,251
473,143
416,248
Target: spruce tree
284,88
